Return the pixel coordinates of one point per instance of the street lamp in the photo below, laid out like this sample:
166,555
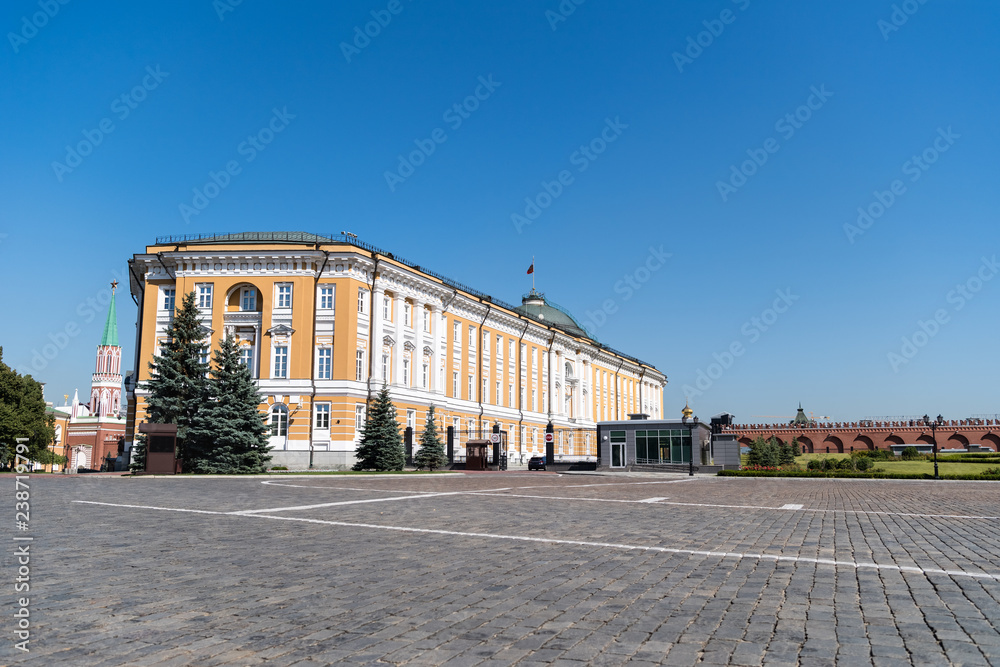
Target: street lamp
934,425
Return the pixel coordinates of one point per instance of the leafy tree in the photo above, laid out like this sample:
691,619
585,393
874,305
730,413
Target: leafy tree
227,434
178,382
381,446
22,415
431,454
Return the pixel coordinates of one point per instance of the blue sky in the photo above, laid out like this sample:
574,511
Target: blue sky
829,103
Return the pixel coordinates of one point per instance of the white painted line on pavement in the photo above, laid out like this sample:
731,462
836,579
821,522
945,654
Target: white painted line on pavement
608,545
652,500
790,506
349,502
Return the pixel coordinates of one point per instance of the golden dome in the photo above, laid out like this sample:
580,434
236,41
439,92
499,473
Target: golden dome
687,411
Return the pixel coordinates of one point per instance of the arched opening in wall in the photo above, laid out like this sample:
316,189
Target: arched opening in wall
990,440
834,443
957,441
864,442
745,442
926,440
891,440
245,298
805,444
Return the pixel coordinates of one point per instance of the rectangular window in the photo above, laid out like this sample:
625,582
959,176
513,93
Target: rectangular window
498,396
326,297
472,389
385,368
486,392
407,315
362,300
324,365
411,418
168,299
204,355
472,338
281,361
246,358
248,300
406,372
359,418
284,296
386,309
427,320
455,334
454,384
359,365
423,380
532,406
510,396
205,297
323,416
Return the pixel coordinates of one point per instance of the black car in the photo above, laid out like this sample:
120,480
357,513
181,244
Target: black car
536,463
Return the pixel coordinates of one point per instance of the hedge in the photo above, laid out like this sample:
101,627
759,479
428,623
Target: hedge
849,475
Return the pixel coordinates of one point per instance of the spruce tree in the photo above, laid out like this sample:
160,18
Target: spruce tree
178,385
227,434
381,446
431,454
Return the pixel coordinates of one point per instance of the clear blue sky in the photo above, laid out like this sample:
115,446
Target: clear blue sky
677,126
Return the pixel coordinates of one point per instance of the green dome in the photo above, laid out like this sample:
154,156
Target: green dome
533,304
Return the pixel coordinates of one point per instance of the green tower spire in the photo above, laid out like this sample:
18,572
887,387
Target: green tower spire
110,336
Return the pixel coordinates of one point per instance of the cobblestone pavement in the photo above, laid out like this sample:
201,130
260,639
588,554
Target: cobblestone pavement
497,569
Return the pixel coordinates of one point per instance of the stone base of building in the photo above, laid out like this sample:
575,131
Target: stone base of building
323,460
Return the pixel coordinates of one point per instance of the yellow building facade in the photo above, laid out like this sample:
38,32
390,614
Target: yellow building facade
324,321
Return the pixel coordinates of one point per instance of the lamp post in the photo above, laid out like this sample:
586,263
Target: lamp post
934,425
691,453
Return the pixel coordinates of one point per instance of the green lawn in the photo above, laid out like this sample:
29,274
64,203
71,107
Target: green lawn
906,467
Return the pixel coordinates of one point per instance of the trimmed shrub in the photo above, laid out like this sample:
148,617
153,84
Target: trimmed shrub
910,454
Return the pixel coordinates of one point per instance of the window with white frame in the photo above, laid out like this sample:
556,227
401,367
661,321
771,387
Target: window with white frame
426,316
472,388
205,296
532,406
386,308
498,397
406,372
407,315
323,416
281,361
284,296
472,337
362,300
279,420
359,417
385,368
246,358
510,395
168,298
359,365
456,424
248,299
456,334
324,363
411,419
204,354
486,392
454,384
424,375
326,297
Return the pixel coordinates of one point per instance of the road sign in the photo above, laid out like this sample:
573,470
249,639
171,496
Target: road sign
494,437
549,437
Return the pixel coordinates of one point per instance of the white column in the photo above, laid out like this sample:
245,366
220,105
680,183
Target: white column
437,327
376,331
418,315
553,399
397,350
578,390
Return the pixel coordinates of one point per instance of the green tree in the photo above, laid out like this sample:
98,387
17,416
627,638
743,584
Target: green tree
227,434
178,382
796,450
381,446
764,453
785,454
431,454
22,415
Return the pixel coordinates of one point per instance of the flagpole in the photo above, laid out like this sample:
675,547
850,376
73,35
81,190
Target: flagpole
532,273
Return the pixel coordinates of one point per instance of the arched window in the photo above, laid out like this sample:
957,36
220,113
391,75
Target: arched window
279,420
